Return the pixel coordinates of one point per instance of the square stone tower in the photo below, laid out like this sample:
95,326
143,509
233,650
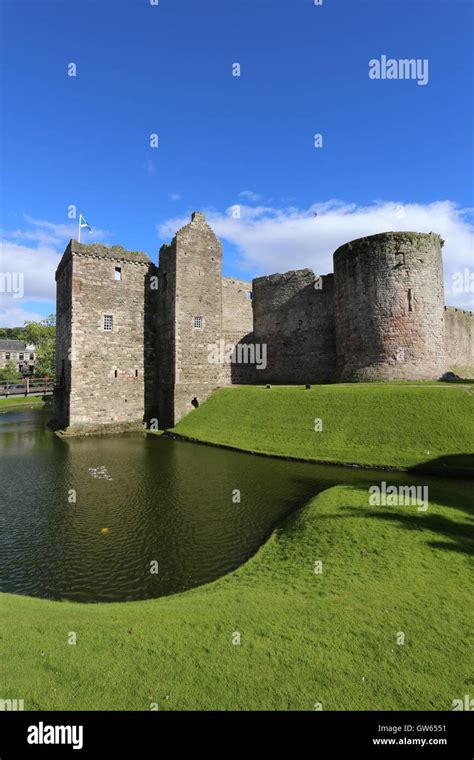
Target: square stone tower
105,344
189,319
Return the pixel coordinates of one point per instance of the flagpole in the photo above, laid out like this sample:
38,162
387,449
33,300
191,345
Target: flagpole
79,230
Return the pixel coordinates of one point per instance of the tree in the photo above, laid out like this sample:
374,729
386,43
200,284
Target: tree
43,336
13,333
9,373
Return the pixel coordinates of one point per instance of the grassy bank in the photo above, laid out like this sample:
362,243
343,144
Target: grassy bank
12,401
305,637
390,424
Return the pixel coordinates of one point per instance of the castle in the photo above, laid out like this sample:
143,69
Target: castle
139,343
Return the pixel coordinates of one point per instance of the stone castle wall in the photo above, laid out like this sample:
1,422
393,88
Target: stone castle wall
294,317
63,338
390,307
237,329
166,335
198,289
459,339
107,368
379,317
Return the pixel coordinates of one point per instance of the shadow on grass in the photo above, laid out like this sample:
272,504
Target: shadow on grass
460,535
451,465
452,534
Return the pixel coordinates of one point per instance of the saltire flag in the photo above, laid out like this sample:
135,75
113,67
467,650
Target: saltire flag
83,223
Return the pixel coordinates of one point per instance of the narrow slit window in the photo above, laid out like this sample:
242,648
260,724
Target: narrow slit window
115,373
108,322
118,273
136,373
410,302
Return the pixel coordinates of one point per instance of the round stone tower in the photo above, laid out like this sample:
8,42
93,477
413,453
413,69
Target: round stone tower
390,307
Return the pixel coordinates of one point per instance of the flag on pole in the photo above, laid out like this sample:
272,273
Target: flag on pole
83,223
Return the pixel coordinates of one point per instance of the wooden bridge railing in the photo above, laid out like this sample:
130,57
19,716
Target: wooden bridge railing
27,387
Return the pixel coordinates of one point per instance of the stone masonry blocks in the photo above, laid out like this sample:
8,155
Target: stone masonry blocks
381,316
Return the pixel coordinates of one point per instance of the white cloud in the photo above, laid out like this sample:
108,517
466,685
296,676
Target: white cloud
48,233
249,195
36,265
275,240
34,253
16,317
267,240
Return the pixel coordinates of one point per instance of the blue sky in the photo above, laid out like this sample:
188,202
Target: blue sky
395,154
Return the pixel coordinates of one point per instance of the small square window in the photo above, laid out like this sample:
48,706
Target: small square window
21,356
118,273
249,295
32,356
197,323
108,322
7,355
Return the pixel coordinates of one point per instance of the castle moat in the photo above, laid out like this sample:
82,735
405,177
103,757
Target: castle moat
137,516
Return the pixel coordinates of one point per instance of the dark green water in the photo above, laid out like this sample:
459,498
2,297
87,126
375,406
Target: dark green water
158,499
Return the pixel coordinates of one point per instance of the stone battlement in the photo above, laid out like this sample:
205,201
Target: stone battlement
100,251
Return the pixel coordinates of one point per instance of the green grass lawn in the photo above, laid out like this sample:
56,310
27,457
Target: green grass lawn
391,424
12,401
305,638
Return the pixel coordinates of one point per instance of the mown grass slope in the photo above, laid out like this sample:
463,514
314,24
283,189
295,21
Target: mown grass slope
390,424
305,638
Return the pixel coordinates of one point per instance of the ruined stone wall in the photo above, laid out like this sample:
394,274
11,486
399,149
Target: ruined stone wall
166,334
150,338
237,329
390,307
381,316
63,338
108,367
459,339
294,317
198,295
